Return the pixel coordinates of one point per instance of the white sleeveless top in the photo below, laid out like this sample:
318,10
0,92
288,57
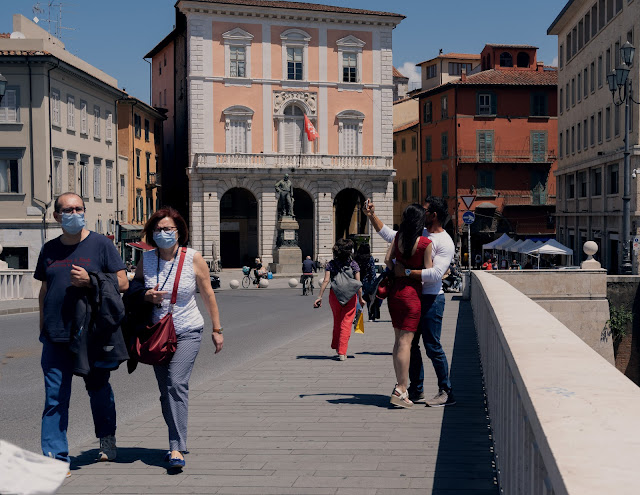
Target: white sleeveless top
186,315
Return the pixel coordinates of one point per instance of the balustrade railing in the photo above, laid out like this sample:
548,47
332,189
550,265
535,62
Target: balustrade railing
17,284
564,420
310,161
506,156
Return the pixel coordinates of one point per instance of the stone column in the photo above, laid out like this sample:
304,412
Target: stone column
382,197
210,219
196,227
267,217
325,228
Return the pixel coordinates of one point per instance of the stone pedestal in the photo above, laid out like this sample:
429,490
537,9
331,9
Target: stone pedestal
287,257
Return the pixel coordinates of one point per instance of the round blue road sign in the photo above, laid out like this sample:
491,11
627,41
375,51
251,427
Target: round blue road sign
468,217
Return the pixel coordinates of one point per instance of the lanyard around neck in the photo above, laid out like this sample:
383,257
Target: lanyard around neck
170,269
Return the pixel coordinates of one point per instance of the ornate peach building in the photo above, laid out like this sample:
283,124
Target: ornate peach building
238,78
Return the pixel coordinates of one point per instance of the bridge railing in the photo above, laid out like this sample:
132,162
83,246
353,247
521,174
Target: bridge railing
564,420
18,284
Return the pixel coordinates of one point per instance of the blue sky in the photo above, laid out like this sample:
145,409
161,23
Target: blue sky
114,35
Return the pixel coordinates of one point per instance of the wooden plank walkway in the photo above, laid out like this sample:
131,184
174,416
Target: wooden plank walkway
296,421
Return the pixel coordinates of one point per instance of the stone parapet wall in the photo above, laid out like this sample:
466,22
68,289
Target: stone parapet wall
578,298
563,420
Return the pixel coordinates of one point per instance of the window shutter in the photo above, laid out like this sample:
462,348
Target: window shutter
292,136
489,146
494,104
109,128
478,104
238,132
9,110
350,139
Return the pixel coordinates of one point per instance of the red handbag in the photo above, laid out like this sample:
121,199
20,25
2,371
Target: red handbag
159,342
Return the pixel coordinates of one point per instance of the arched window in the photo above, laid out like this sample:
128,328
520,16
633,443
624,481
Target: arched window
506,60
522,59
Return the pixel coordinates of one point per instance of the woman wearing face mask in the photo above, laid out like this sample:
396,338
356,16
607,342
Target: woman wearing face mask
167,231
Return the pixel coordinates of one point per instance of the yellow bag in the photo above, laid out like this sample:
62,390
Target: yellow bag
360,324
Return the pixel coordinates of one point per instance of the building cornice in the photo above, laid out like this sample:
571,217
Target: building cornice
287,14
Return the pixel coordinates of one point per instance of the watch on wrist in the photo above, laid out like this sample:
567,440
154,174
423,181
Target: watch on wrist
407,272
217,330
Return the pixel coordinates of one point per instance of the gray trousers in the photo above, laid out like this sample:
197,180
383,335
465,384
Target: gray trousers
173,382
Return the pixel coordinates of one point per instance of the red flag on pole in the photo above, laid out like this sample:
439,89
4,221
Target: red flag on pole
312,134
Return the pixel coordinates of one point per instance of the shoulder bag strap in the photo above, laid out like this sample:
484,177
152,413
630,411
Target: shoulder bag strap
174,295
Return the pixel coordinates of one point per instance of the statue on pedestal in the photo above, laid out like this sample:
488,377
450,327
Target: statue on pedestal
284,188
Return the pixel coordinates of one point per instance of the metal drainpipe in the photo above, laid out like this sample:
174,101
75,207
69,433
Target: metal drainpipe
33,182
133,154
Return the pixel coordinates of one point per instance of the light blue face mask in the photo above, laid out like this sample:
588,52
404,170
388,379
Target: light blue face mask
164,240
72,223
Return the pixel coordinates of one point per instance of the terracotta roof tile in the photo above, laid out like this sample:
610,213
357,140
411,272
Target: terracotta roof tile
397,73
406,126
301,6
511,77
22,53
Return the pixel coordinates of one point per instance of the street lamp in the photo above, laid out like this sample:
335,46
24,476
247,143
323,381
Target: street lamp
619,79
3,86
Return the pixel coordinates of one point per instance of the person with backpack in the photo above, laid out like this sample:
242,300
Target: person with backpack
343,273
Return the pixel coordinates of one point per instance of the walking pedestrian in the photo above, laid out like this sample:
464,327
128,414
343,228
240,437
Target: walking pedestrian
368,277
413,251
432,300
167,231
478,261
63,268
341,272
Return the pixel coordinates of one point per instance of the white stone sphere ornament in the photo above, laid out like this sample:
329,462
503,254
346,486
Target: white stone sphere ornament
264,283
234,284
293,283
590,248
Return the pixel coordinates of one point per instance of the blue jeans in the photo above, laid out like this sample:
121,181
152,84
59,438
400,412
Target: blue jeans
432,311
57,366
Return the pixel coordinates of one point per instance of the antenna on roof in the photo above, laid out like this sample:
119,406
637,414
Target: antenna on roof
56,21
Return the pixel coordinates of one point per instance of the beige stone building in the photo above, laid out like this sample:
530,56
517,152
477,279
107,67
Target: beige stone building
57,134
447,67
591,126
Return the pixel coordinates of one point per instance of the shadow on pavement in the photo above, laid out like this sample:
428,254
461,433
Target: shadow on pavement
358,399
465,459
370,353
126,455
314,356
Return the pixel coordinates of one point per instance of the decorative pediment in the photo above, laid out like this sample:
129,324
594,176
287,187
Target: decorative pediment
293,35
350,42
350,115
237,34
306,98
238,111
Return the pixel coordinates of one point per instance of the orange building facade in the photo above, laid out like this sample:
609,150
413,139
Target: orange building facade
254,71
140,141
493,135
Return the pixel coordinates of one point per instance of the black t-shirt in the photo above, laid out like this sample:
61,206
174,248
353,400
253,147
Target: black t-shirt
95,253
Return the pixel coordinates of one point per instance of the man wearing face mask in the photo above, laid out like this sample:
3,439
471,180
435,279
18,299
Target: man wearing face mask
63,268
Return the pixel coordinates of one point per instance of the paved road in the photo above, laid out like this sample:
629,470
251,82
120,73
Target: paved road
256,321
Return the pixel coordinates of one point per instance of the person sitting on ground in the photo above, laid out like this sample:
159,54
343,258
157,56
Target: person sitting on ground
514,265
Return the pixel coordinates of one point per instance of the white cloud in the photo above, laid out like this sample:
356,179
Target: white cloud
409,69
554,62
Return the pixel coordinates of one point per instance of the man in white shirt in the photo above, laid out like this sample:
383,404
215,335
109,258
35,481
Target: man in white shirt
432,300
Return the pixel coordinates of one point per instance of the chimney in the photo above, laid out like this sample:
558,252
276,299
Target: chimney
539,66
463,75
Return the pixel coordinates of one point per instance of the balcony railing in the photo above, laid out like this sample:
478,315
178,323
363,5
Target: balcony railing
506,156
153,180
530,198
18,284
276,160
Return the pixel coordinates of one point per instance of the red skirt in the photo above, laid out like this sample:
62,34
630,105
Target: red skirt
404,304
